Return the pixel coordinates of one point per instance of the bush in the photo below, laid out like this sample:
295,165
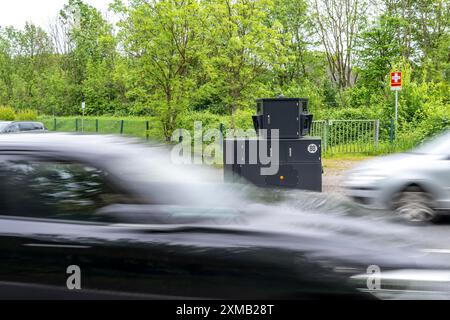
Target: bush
208,120
243,119
432,118
27,115
347,114
7,114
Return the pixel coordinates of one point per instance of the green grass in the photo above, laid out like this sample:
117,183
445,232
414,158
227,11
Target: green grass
361,150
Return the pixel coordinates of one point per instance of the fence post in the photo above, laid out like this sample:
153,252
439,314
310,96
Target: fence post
331,142
121,126
76,124
325,136
377,133
221,129
96,125
147,128
180,136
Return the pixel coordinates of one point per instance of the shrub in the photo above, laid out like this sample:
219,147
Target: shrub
7,113
187,119
26,115
347,114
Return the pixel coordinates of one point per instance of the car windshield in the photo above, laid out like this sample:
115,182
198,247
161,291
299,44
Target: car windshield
3,125
436,146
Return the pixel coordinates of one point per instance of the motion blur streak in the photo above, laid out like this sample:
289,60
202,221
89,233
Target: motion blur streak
138,225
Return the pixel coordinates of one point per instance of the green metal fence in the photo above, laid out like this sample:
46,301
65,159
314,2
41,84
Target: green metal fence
131,127
338,136
347,136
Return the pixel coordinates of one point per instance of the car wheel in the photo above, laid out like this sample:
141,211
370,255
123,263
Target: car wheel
415,205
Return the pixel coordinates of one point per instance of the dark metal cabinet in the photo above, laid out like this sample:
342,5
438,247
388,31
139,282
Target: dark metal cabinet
249,151
306,176
300,150
299,158
299,162
283,114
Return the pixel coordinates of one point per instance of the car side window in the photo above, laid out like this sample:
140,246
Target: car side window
26,126
12,128
55,190
38,126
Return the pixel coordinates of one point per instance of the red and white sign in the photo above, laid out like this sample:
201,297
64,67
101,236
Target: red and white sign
396,80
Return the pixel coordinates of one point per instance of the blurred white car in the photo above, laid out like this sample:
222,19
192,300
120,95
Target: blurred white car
21,126
415,185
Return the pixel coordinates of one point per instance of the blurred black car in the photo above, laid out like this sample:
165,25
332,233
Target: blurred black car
139,227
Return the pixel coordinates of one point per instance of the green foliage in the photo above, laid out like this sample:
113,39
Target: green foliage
379,48
26,115
163,34
348,114
177,62
242,41
7,113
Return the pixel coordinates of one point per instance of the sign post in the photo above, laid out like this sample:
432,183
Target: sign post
83,107
396,85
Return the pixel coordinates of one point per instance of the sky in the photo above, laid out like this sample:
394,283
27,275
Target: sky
40,12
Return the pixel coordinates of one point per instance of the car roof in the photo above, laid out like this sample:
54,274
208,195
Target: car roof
9,122
26,122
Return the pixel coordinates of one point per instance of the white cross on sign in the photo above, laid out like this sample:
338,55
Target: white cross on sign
396,77
396,81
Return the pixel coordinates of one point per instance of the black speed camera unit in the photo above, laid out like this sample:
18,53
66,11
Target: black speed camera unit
299,157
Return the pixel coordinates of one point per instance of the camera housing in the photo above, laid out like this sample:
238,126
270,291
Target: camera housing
289,115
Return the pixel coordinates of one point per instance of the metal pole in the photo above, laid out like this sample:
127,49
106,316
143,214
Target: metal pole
396,105
377,132
83,106
82,122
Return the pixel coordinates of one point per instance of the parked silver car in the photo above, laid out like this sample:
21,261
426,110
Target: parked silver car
415,185
21,126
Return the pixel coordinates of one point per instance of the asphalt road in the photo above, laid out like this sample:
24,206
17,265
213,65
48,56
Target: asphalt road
436,236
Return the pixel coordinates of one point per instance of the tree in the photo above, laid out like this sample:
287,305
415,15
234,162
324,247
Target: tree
295,39
161,36
242,43
431,34
379,49
90,47
337,23
24,56
6,68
